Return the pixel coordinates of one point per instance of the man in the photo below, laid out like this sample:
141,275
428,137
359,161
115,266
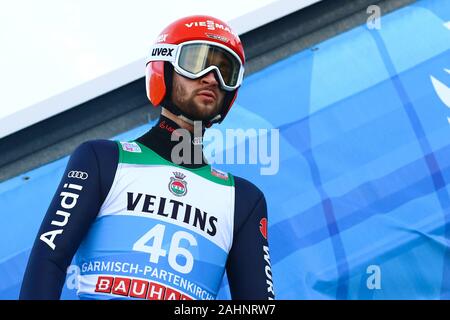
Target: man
143,226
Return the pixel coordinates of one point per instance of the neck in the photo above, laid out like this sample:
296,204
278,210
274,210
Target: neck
181,122
164,136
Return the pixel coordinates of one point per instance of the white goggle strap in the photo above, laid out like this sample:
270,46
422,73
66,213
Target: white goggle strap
163,52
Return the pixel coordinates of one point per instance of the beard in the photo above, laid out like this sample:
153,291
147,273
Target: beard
192,104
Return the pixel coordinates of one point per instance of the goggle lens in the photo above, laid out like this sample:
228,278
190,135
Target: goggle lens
196,57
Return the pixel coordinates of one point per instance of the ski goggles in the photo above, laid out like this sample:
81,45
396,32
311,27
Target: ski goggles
194,59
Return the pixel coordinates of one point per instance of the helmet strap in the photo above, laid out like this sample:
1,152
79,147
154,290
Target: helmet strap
185,118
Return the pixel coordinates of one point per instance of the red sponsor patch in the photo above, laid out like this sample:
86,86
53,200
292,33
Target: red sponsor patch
263,227
121,286
139,288
172,294
156,291
104,284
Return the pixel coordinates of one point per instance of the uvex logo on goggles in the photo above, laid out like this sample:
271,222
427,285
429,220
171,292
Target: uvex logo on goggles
162,52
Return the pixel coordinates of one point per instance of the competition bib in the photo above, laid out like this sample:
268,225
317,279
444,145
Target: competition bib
163,232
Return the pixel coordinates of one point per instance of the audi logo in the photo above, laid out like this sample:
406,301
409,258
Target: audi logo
78,175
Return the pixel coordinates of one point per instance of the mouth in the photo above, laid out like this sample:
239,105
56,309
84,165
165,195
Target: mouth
207,93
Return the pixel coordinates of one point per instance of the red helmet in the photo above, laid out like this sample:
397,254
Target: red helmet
194,46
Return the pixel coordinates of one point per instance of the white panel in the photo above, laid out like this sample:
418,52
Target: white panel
59,54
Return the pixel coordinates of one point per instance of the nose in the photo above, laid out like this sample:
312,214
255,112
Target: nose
210,78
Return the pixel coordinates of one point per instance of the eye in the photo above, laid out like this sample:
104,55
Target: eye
224,70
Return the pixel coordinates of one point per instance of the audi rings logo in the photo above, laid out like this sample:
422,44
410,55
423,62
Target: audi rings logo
78,175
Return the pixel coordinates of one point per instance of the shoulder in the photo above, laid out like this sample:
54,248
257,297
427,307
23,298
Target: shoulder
98,146
247,190
100,151
98,157
248,198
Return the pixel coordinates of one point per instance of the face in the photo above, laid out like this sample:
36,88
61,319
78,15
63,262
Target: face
200,98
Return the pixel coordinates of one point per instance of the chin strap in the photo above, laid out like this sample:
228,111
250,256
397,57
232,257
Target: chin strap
205,123
215,119
182,116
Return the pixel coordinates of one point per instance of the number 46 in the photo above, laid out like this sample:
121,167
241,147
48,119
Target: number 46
156,250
